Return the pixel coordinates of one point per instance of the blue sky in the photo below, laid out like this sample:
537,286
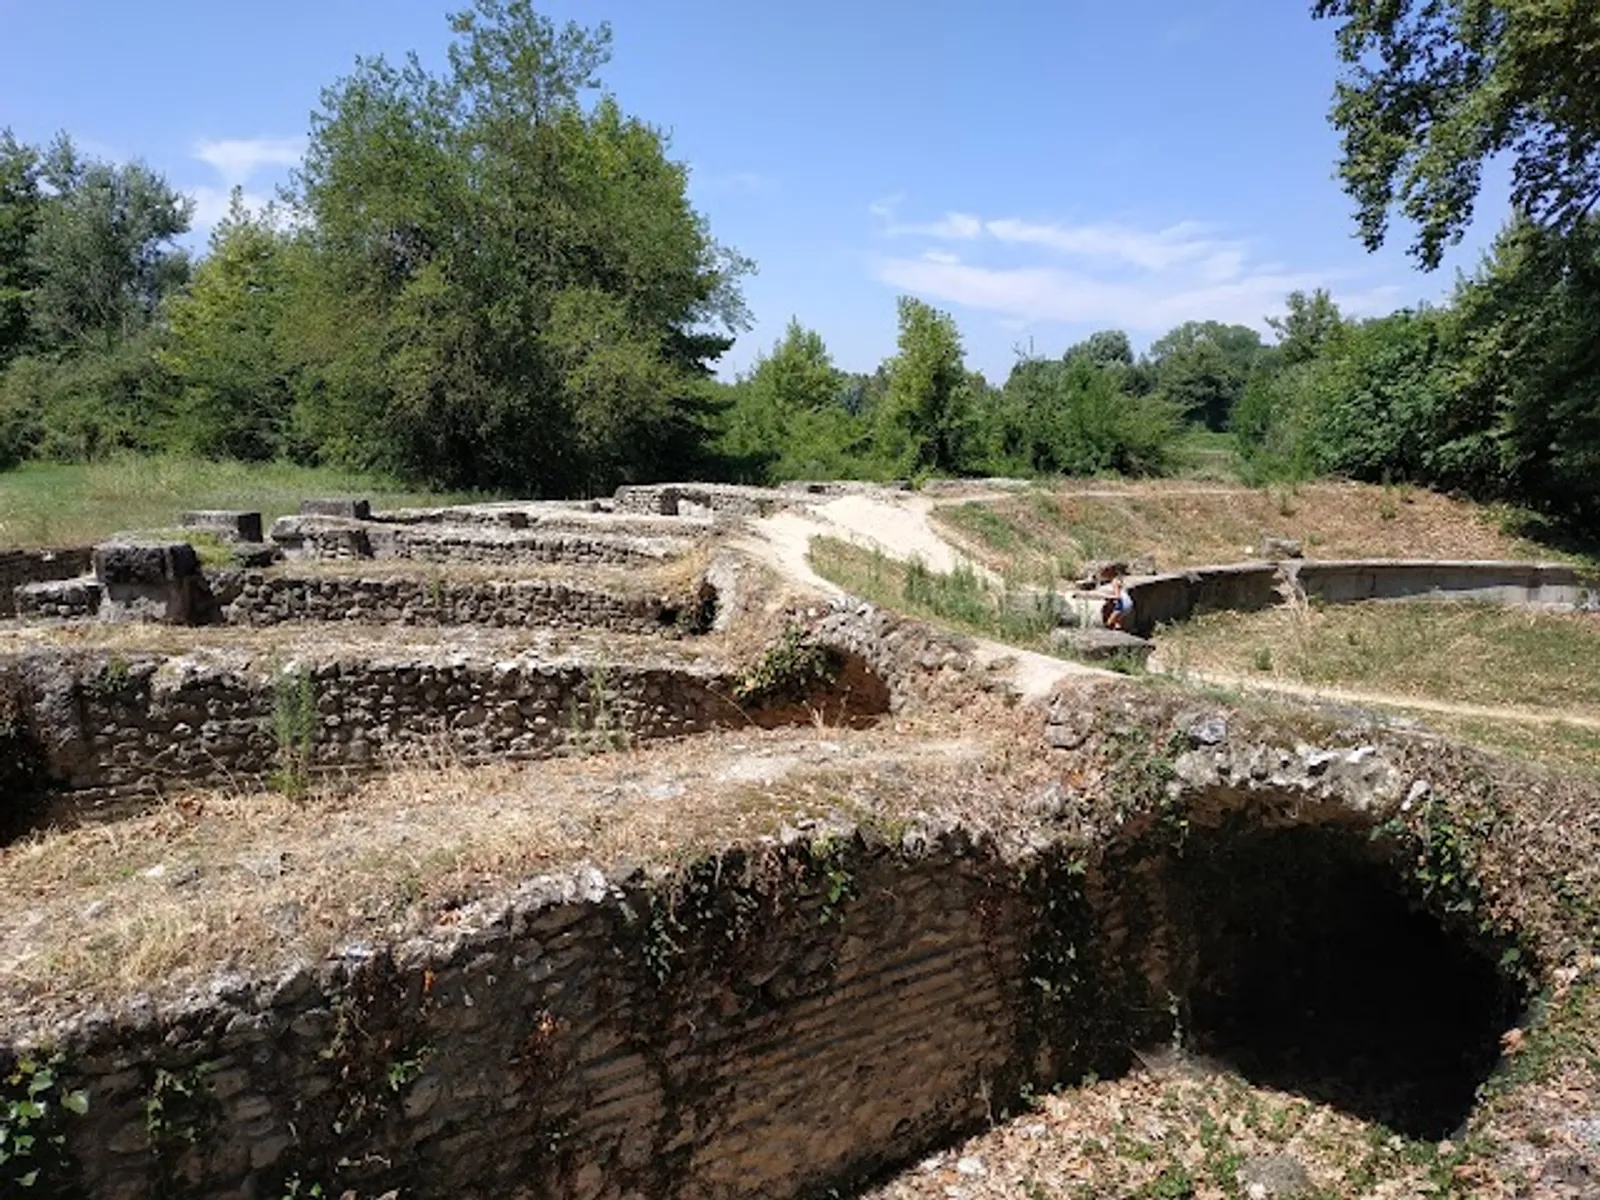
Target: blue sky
1039,168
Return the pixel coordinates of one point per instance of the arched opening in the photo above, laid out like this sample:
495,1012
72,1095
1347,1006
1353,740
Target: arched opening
1310,968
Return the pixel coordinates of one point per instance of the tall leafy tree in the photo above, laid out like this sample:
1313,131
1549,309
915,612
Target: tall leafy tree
103,252
233,382
922,424
1202,368
1310,321
19,218
533,302
1432,89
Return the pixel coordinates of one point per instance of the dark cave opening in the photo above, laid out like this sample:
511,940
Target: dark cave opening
1311,971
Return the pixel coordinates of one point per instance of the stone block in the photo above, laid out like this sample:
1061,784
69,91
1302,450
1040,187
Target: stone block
1276,549
131,562
227,523
64,598
1100,645
256,554
347,507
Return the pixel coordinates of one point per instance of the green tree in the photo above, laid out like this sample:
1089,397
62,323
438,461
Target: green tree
1202,367
788,419
526,298
19,218
102,252
1105,348
922,423
1434,88
1524,420
234,392
1309,323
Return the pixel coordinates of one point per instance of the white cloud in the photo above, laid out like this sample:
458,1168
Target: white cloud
1105,273
952,227
1151,250
212,204
1143,305
237,160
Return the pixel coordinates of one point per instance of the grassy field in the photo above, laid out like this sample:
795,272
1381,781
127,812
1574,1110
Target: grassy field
1044,534
1470,654
61,504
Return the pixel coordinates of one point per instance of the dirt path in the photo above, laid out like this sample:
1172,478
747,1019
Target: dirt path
899,525
896,524
1359,699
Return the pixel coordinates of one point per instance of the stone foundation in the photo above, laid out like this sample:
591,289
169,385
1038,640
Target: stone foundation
140,725
21,567
519,604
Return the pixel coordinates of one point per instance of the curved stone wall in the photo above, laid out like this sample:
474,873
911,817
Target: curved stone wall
1160,599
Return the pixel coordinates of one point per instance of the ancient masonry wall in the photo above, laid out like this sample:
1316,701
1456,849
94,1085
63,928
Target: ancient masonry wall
20,567
1247,587
275,599
133,725
767,1024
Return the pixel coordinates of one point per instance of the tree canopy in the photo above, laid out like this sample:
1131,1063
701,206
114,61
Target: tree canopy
1432,89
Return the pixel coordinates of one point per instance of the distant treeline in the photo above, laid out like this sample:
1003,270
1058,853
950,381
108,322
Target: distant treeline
492,278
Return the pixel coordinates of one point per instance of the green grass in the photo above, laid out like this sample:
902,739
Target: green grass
960,598
61,504
1208,455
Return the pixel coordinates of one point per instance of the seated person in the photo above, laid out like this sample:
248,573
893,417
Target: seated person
1117,612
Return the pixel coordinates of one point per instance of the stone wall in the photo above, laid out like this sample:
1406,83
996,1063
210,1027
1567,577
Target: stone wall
695,499
108,727
1160,599
1338,582
19,567
768,1023
528,603
337,539
1246,587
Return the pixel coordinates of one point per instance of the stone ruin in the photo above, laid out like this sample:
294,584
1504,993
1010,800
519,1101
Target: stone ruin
787,1016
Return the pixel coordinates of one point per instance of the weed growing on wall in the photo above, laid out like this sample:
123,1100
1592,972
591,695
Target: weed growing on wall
593,726
788,671
180,1115
35,1107
294,728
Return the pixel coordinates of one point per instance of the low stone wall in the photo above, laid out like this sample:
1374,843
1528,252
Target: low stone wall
1498,582
1160,599
337,539
527,603
107,727
693,499
60,600
771,1022
21,567
1246,587
779,1019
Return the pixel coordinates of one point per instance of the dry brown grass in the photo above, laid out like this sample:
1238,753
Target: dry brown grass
1047,534
325,641
1469,654
250,881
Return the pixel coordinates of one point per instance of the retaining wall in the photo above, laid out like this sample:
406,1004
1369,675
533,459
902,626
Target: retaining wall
105,727
784,1018
753,1030
1499,582
20,567
1247,587
693,499
339,539
529,603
